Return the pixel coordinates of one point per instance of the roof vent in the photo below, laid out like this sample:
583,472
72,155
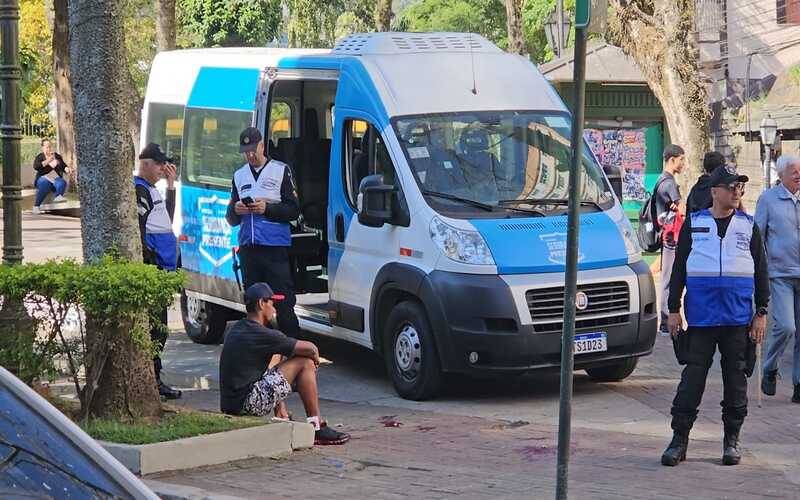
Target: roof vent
404,43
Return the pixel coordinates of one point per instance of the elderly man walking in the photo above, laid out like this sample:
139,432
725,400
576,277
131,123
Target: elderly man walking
778,219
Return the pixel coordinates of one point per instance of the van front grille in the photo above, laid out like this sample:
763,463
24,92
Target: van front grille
608,304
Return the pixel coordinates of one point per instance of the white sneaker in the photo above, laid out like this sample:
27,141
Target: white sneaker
59,199
36,211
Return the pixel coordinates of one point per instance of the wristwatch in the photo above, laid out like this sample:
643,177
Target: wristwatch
761,311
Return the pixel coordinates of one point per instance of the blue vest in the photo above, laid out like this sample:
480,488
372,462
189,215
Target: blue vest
255,228
720,272
158,235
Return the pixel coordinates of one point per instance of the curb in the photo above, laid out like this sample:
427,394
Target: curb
189,381
267,441
169,491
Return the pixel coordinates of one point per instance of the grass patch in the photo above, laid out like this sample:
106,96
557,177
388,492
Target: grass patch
173,426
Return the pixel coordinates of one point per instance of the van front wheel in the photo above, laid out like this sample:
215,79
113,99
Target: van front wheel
613,373
410,353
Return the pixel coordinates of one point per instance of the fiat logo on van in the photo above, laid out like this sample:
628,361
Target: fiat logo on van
581,301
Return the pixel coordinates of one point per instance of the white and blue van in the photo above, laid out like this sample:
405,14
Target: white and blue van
432,171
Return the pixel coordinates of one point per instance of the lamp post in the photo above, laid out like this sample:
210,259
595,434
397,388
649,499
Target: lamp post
11,132
556,39
769,129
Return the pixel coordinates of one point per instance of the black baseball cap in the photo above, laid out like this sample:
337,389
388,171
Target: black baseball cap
726,175
673,151
249,139
153,152
259,291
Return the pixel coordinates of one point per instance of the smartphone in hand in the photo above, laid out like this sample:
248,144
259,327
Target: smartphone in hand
247,200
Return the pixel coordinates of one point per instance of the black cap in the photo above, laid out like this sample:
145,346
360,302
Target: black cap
726,175
153,152
673,151
258,291
249,139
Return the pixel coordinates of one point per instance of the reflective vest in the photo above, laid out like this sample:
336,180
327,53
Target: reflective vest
255,228
720,272
158,235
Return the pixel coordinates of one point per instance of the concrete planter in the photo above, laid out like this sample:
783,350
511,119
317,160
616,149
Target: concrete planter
269,440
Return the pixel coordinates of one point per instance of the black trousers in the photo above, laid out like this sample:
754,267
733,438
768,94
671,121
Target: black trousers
159,337
703,342
270,265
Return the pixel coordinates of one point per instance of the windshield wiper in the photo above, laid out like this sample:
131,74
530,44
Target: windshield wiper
466,201
480,204
550,201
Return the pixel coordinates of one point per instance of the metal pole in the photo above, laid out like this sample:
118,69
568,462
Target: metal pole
560,28
571,278
767,161
11,132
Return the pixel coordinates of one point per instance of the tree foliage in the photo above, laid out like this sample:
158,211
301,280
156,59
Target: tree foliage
228,23
36,59
486,17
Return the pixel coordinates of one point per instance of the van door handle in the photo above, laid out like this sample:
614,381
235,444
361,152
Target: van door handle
339,227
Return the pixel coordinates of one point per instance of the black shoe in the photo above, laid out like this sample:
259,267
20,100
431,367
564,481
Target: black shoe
676,451
327,436
168,392
769,382
731,455
796,395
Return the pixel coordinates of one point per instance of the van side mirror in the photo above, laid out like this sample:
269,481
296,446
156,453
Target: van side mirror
375,201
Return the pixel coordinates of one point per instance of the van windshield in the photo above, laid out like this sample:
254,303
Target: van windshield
483,164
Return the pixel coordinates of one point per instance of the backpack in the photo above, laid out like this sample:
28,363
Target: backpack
649,231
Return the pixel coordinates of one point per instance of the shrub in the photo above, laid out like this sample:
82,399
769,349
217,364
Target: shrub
58,294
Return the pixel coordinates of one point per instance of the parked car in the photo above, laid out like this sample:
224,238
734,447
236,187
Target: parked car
43,454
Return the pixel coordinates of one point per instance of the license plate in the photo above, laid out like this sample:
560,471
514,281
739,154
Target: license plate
590,342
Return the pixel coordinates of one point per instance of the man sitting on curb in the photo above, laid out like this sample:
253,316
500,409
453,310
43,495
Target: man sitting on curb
249,387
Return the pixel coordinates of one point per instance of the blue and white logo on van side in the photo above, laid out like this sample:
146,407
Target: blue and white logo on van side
209,238
538,245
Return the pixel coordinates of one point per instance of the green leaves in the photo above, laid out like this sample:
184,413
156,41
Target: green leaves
228,23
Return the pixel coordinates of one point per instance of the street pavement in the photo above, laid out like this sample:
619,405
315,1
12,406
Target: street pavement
486,438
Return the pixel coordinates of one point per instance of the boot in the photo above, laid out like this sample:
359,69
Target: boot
731,455
676,451
769,382
796,395
168,392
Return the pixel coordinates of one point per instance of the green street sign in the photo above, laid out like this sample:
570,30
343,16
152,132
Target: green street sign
583,13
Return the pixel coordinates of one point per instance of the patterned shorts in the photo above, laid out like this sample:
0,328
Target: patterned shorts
266,393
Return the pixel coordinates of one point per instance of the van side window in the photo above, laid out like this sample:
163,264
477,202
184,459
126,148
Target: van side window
281,122
165,127
211,145
365,154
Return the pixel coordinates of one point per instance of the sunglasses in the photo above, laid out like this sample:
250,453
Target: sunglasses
736,186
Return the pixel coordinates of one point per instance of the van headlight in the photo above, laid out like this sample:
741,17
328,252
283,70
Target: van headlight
460,245
632,247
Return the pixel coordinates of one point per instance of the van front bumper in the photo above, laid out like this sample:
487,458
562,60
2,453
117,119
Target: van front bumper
479,314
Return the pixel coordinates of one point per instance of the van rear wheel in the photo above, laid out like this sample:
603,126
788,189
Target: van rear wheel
204,322
410,353
613,373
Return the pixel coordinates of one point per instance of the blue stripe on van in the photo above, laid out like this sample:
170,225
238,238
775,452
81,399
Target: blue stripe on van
539,245
225,88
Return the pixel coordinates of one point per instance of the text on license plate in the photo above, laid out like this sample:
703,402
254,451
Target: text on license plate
590,342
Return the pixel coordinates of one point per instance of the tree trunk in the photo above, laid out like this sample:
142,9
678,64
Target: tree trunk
134,103
516,40
165,25
65,123
657,34
126,385
383,15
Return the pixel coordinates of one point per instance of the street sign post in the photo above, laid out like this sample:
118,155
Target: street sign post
582,16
